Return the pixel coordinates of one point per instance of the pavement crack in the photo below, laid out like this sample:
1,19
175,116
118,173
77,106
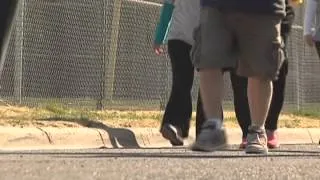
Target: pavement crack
47,134
143,139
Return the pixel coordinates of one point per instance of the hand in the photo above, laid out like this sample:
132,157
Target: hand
157,49
309,40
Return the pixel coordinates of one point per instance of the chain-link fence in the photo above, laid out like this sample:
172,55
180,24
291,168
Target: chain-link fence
98,54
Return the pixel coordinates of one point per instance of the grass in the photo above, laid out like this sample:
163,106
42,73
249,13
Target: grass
312,113
57,115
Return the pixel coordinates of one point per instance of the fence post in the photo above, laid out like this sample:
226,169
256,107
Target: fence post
298,82
18,58
113,46
301,55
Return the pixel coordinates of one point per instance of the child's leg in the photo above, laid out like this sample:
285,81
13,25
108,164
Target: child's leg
179,108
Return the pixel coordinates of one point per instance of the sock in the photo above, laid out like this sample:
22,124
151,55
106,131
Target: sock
257,127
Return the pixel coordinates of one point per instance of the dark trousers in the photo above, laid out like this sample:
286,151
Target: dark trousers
178,110
241,105
317,45
6,11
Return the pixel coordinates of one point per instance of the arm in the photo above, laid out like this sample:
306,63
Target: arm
164,21
310,13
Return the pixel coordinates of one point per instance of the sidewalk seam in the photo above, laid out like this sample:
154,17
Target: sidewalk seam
310,136
47,135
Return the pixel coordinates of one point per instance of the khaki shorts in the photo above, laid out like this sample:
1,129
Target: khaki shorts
251,43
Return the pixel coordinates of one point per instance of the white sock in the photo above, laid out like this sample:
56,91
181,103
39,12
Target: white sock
216,121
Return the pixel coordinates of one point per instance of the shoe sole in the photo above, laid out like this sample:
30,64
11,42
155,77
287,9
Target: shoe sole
170,135
252,149
207,148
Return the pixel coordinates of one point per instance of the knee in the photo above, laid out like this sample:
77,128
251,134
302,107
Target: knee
209,73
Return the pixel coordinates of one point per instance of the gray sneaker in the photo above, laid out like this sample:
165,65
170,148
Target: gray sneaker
210,138
256,141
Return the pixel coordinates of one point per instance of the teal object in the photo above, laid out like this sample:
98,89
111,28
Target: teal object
164,23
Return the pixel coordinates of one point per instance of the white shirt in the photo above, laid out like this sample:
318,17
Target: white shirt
185,18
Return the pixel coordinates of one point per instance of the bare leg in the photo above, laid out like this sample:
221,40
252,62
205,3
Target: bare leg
259,96
212,136
211,86
213,54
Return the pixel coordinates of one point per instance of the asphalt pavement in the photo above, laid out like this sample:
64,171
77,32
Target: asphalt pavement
287,162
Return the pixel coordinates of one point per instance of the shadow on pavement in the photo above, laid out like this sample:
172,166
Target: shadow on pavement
118,136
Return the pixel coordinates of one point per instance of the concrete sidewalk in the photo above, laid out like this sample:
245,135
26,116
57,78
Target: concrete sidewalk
74,138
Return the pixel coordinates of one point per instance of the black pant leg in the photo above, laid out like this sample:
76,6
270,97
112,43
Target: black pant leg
200,117
317,45
179,107
279,85
7,8
240,99
277,98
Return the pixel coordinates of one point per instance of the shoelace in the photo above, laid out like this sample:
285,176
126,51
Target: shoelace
257,138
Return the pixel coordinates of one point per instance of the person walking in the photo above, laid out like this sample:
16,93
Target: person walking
311,26
228,40
175,28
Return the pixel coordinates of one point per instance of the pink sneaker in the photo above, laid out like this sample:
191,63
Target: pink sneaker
243,143
272,139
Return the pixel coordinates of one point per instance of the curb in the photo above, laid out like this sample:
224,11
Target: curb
78,138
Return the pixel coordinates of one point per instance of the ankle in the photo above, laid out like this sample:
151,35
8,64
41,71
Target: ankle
271,134
216,122
257,127
271,130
